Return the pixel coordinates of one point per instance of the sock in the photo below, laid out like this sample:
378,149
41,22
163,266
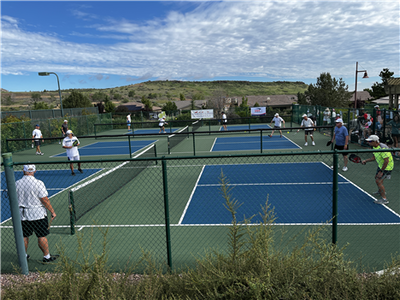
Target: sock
47,256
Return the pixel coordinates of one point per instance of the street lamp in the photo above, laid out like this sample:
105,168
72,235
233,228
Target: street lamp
355,92
59,91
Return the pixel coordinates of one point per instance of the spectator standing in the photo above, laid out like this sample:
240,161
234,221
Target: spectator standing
308,124
278,121
36,136
327,116
64,129
128,121
385,167
395,123
341,136
33,201
71,143
224,121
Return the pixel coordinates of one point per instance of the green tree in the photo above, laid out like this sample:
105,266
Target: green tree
117,96
256,104
76,99
169,106
36,97
328,91
301,99
147,103
182,97
109,106
40,105
378,89
131,94
99,96
7,100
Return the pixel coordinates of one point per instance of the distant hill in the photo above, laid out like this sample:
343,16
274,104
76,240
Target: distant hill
159,92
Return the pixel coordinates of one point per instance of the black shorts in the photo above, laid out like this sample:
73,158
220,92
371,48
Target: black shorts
37,226
337,147
277,127
386,173
38,142
308,131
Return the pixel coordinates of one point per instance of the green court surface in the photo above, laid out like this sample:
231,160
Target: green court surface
134,216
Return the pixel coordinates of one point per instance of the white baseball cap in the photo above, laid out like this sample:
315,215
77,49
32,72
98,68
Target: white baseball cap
65,121
376,106
276,115
304,116
339,120
29,168
372,138
69,132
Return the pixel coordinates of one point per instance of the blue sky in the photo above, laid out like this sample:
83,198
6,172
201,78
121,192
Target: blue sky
103,44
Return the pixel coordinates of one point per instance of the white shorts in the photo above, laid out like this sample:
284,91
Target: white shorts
74,158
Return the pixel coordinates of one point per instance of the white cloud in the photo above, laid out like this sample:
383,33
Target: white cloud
265,39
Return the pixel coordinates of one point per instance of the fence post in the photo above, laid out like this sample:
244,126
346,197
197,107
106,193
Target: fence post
335,190
194,145
130,147
166,211
16,218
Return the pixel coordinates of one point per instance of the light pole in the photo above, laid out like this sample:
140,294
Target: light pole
59,91
355,92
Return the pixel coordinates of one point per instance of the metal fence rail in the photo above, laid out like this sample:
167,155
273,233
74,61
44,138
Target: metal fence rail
174,209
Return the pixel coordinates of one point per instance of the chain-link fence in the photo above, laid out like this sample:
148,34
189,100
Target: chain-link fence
81,125
50,113
174,208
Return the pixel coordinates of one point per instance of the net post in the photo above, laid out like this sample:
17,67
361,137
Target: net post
130,147
72,211
166,212
335,190
194,145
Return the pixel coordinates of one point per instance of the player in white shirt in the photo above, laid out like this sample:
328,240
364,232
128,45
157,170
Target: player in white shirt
278,121
308,124
224,121
71,143
161,123
36,136
128,121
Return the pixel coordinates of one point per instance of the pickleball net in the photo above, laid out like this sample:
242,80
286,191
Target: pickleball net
85,197
178,137
196,125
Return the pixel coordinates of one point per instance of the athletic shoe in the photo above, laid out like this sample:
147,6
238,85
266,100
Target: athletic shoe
313,143
270,135
73,173
345,169
381,201
80,170
306,144
59,143
41,153
37,153
52,258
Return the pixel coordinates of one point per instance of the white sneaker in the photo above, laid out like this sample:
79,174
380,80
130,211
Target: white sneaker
41,153
306,144
344,169
313,143
37,153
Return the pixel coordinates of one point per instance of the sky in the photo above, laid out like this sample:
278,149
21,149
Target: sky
105,44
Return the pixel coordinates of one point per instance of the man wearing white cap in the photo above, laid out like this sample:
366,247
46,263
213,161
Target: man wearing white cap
36,136
341,135
277,120
33,202
71,143
385,167
309,128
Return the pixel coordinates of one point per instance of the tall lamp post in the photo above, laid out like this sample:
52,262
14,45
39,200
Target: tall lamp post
59,91
355,92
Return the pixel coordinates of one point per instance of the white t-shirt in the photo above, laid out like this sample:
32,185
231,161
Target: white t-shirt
128,118
224,120
327,114
161,122
278,121
29,191
68,142
307,123
36,133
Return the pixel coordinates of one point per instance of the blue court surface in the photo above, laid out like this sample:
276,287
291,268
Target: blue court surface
55,181
245,127
109,148
300,193
253,143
